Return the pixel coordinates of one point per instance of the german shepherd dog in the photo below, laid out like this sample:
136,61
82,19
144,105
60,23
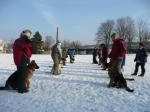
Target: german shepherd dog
118,80
19,80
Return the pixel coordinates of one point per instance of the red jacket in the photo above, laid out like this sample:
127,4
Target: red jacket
118,49
21,48
99,52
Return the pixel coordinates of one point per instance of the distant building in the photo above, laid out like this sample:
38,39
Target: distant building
2,46
88,49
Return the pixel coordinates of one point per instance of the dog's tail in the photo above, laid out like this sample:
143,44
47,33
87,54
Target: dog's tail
130,79
3,88
129,90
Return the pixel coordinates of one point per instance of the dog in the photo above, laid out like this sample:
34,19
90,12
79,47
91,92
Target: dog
19,80
117,80
120,82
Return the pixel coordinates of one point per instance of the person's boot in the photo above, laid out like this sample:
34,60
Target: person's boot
142,75
134,74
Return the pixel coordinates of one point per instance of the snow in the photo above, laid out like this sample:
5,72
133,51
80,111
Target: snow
82,87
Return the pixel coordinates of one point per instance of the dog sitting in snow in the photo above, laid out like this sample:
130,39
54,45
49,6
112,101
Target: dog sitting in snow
19,80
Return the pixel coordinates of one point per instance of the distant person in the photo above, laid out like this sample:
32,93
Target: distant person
140,59
71,52
56,56
104,56
99,53
64,55
22,49
95,56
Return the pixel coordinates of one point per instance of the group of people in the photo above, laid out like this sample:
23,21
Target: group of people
22,52
102,52
117,57
59,56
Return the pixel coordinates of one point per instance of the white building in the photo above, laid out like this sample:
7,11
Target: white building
2,46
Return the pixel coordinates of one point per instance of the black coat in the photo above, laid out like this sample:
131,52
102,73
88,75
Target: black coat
141,56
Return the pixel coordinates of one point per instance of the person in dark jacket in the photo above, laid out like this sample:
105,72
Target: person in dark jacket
104,56
140,59
22,49
71,53
95,56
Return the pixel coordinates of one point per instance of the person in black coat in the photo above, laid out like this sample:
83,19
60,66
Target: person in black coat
140,59
95,56
104,56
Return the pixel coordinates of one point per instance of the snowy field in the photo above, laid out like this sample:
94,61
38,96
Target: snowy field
82,87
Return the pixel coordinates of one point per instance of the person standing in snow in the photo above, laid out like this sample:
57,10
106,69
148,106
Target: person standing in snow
71,52
64,55
94,56
140,59
57,57
99,53
22,49
22,52
104,56
117,54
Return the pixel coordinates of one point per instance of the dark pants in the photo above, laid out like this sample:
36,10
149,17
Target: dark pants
94,59
71,58
142,68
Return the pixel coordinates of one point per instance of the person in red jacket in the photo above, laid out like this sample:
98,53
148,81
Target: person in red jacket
22,49
117,54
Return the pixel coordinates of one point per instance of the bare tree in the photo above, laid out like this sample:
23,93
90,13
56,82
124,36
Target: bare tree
130,31
72,44
121,26
142,30
49,41
104,32
126,28
76,44
66,43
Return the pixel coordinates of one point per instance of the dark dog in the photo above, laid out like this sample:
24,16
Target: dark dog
117,80
19,80
120,82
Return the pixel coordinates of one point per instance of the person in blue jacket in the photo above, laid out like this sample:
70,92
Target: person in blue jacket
71,53
140,59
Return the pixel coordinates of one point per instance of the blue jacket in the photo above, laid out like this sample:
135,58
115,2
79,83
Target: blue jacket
71,52
141,56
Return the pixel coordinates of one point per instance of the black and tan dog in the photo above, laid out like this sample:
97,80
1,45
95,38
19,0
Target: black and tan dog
120,82
19,80
117,80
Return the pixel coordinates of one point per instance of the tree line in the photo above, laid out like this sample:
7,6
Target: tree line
127,27
41,45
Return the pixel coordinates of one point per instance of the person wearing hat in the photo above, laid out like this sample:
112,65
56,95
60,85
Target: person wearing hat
56,57
21,55
22,49
118,51
140,59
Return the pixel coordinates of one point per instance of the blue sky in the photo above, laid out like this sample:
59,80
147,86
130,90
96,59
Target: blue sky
76,19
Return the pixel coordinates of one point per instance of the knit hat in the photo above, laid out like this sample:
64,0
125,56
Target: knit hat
26,33
141,44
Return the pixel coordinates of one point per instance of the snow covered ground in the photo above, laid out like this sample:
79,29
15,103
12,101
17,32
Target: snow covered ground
82,87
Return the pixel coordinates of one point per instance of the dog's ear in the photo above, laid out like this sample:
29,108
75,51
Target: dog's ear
33,61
